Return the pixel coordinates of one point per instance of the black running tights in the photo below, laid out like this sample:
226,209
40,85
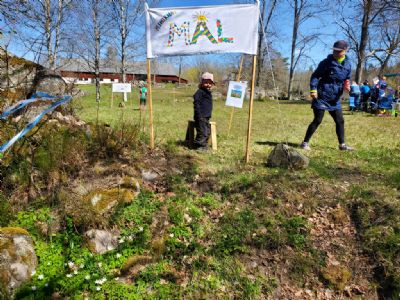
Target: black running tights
337,116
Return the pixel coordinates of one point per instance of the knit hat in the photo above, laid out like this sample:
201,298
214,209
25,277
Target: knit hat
340,45
207,76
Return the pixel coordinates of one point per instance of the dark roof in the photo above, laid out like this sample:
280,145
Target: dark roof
78,65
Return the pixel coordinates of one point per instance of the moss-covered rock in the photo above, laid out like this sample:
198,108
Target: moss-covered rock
92,206
104,200
17,259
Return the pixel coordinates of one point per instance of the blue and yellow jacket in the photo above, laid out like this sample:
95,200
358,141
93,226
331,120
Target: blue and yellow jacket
328,80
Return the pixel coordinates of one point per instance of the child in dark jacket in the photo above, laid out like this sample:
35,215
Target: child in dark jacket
203,110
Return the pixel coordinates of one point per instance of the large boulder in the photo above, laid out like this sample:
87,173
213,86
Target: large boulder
93,203
286,157
50,83
17,259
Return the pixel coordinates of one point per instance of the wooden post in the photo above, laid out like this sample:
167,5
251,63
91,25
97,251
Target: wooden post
251,109
150,103
112,99
238,79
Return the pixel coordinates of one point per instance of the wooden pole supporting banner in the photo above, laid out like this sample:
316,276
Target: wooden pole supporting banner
150,103
251,109
238,79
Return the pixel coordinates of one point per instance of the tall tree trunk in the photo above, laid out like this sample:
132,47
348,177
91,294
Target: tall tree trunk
97,49
47,29
384,64
180,70
260,57
296,21
363,40
123,39
58,29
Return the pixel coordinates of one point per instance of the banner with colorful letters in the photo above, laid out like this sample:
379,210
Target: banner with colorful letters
197,30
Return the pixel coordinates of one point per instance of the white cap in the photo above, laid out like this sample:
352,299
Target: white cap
207,76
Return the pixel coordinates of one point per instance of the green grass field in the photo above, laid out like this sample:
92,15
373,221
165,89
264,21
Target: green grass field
376,139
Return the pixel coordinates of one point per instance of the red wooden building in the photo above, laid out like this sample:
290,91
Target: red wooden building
78,71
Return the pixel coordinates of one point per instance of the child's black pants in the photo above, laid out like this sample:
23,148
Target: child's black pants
203,131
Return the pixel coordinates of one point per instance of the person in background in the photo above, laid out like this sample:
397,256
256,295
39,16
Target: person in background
202,111
382,81
365,94
143,96
355,93
327,83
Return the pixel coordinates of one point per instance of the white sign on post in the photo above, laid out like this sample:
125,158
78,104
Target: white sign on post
236,93
121,88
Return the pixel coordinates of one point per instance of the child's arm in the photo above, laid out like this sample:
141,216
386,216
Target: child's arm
196,102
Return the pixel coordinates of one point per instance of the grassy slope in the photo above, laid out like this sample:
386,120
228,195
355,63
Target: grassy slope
248,231
370,175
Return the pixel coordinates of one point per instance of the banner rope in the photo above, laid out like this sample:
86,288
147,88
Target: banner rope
39,96
282,125
33,122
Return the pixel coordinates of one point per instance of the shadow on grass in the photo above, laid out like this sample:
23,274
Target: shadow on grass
351,174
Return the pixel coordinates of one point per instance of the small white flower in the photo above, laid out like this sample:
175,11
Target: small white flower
69,275
140,228
40,277
121,241
34,288
87,277
71,264
33,272
97,281
99,264
46,284
118,255
116,278
101,281
98,288
75,272
49,263
81,266
171,235
130,238
187,218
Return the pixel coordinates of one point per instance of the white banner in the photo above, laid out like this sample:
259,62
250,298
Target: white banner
236,93
207,29
121,87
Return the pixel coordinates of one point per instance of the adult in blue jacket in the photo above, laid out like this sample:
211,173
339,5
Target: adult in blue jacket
327,83
365,94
